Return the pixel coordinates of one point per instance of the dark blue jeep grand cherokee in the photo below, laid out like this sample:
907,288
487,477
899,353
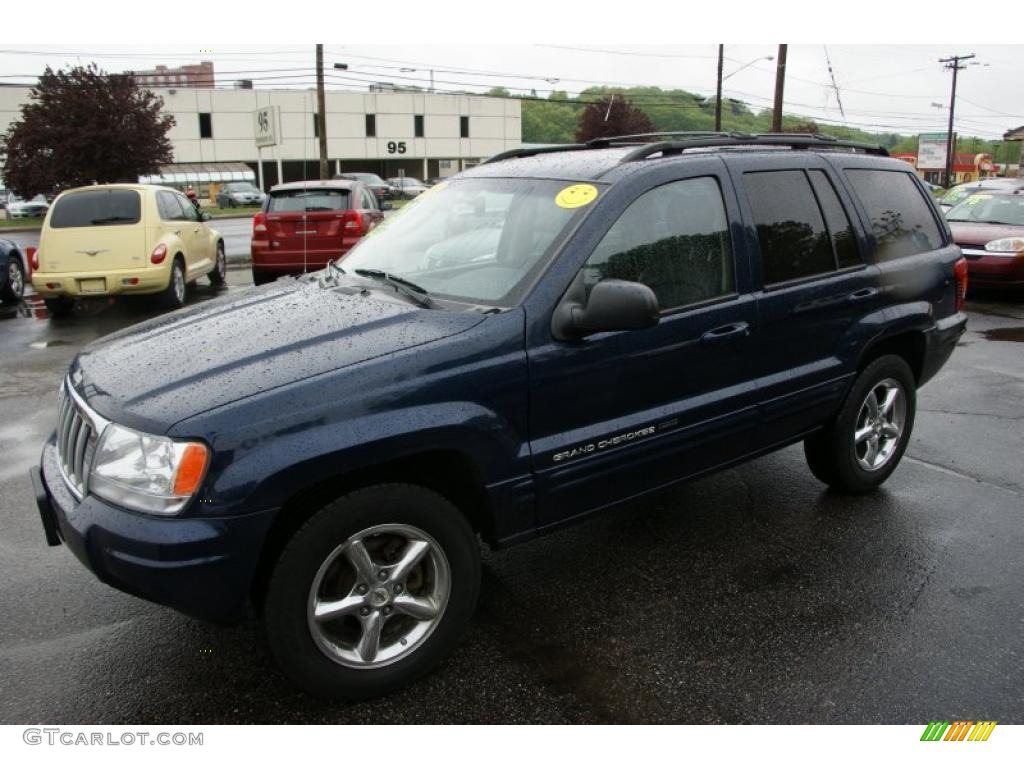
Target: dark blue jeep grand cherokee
545,335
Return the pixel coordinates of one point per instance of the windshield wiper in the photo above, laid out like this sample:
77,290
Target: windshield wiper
406,287
111,219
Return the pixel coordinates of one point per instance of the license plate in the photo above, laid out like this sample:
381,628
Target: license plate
92,286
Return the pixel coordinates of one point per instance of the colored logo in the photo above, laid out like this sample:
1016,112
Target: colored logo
961,730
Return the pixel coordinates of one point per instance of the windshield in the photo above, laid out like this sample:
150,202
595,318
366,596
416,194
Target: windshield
475,240
368,178
241,187
991,209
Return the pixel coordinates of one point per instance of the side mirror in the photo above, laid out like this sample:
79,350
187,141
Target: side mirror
613,305
205,216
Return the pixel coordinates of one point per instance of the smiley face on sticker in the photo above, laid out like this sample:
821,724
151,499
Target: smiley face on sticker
576,196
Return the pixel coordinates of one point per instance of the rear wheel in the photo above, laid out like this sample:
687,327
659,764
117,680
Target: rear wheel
59,306
220,269
12,282
174,294
372,592
864,444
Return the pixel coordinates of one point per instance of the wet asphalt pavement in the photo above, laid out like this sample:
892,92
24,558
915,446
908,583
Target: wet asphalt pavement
754,595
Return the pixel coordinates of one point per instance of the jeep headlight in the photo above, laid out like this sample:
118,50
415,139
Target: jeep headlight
1007,245
147,473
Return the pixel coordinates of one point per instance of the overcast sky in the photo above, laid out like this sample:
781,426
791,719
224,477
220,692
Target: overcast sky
881,87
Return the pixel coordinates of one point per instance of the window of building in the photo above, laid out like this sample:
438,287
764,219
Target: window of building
371,126
205,126
794,240
316,125
844,243
418,126
901,220
464,127
673,239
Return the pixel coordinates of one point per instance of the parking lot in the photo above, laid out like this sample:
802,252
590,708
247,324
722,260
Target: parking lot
750,596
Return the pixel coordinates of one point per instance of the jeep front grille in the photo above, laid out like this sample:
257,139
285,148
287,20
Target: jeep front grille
77,435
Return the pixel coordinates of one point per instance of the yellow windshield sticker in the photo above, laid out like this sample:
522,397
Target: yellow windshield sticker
975,199
576,196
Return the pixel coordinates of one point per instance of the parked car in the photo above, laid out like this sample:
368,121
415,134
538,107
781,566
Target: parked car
239,193
651,313
13,271
121,239
19,208
407,187
989,228
306,224
961,192
381,190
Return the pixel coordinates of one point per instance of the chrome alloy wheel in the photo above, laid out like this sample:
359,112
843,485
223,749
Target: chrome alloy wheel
379,596
178,277
222,262
879,425
15,279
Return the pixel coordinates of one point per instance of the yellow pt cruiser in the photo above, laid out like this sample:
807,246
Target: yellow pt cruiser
119,239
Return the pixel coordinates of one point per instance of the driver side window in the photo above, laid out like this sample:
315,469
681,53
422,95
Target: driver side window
673,239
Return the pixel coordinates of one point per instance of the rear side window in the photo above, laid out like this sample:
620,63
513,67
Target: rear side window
673,239
167,206
843,240
94,208
301,200
790,228
901,220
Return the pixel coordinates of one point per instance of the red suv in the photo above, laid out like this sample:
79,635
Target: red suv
305,224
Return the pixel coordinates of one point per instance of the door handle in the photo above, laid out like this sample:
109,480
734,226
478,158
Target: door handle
196,229
862,295
731,331
177,233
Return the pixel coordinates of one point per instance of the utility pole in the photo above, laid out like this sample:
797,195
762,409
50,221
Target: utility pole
718,96
953,63
780,83
321,111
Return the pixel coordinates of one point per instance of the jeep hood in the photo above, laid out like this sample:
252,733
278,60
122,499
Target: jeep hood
155,374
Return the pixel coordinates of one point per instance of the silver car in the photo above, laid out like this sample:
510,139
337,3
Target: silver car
239,193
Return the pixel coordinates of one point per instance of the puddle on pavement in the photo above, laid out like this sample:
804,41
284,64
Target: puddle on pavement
50,343
1004,334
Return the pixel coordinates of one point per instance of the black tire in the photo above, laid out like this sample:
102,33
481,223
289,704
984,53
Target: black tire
259,277
12,279
833,454
308,554
220,269
174,295
59,306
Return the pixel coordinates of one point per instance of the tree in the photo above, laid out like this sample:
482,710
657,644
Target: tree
612,115
84,126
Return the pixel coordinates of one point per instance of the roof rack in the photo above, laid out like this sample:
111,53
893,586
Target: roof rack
697,140
791,140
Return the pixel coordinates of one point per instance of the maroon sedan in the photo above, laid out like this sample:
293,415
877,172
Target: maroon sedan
989,228
305,224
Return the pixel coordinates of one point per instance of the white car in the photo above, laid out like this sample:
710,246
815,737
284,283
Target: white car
19,208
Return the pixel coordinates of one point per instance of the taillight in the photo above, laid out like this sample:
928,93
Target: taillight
960,273
353,222
33,258
259,223
159,254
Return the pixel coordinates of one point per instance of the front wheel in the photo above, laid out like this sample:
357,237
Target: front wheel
12,282
220,269
858,451
372,592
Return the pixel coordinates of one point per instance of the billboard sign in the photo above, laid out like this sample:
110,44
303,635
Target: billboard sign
264,124
931,151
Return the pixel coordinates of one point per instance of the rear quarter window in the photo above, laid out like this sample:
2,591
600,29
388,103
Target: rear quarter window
95,208
901,220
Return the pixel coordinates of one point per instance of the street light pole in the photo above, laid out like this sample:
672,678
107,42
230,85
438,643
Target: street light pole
718,96
780,83
953,63
321,111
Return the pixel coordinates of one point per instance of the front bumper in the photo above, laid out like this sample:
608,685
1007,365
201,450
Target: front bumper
203,567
